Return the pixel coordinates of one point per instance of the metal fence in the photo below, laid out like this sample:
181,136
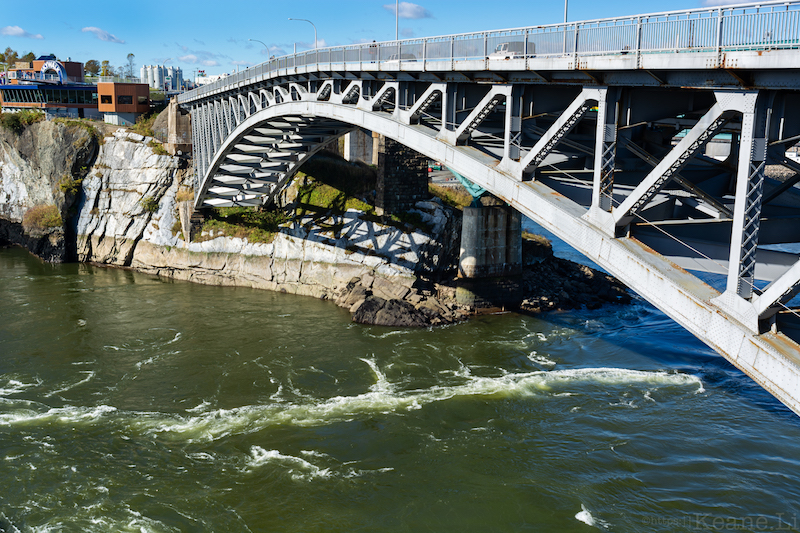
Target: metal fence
764,26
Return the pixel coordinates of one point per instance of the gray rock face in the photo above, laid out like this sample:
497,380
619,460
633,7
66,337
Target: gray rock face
116,227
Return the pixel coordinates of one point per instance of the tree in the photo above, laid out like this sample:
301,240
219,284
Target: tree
30,56
129,68
92,67
10,56
106,69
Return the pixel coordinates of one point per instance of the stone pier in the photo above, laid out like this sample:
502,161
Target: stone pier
490,263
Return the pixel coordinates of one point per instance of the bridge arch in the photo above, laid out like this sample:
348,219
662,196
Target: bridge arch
653,108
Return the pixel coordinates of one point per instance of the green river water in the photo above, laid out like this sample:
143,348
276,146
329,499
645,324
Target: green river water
132,403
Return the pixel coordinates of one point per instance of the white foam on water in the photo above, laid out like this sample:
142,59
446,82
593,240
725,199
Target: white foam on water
200,408
585,516
389,333
61,415
203,424
535,357
89,375
14,386
298,467
147,361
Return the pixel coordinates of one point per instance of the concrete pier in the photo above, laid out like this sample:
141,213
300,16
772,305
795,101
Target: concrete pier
490,263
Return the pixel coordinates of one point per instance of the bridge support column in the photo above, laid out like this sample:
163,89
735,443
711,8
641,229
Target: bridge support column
402,177
358,146
490,264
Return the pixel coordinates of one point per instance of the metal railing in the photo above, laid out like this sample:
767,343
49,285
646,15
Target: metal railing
761,26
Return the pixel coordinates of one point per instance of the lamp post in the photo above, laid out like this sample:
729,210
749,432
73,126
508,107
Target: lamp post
565,11
262,42
315,30
397,19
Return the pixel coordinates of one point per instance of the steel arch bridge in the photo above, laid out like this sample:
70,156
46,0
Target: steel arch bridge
643,142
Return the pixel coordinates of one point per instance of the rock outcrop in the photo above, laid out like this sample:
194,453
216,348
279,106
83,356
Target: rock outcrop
120,208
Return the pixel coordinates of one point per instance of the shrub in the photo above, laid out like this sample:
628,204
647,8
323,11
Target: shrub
454,197
69,184
185,195
16,122
149,204
42,217
144,125
158,148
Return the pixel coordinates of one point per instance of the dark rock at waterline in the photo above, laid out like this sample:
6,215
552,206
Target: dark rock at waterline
380,312
558,284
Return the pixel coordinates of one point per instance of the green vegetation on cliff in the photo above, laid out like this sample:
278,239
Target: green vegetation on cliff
42,217
244,223
16,122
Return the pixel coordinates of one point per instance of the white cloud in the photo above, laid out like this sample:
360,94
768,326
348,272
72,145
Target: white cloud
16,31
408,10
103,35
242,63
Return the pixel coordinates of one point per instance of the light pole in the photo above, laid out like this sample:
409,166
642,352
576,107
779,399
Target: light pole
565,11
397,19
315,30
262,42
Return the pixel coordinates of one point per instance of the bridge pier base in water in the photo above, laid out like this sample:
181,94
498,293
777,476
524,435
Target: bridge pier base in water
490,263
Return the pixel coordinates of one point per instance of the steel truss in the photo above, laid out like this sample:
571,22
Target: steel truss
646,179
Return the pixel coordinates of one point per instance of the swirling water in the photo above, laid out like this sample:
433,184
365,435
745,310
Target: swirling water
132,403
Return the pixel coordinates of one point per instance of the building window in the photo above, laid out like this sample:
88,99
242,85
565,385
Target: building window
142,100
124,99
106,99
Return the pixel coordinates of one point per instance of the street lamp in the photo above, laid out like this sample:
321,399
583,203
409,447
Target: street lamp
315,30
565,11
262,42
397,19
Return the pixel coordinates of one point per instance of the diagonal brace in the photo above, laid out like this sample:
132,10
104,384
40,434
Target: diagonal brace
695,140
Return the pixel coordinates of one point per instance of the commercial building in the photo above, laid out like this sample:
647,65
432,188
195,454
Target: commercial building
57,88
121,103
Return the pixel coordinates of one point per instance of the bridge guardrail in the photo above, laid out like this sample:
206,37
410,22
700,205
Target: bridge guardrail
761,26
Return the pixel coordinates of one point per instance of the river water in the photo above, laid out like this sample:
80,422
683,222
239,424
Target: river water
132,403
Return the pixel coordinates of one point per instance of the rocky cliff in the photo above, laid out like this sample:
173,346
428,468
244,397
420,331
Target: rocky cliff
123,211
68,192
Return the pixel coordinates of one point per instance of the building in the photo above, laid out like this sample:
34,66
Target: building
162,77
122,103
55,87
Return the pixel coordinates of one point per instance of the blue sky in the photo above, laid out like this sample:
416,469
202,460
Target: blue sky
213,35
